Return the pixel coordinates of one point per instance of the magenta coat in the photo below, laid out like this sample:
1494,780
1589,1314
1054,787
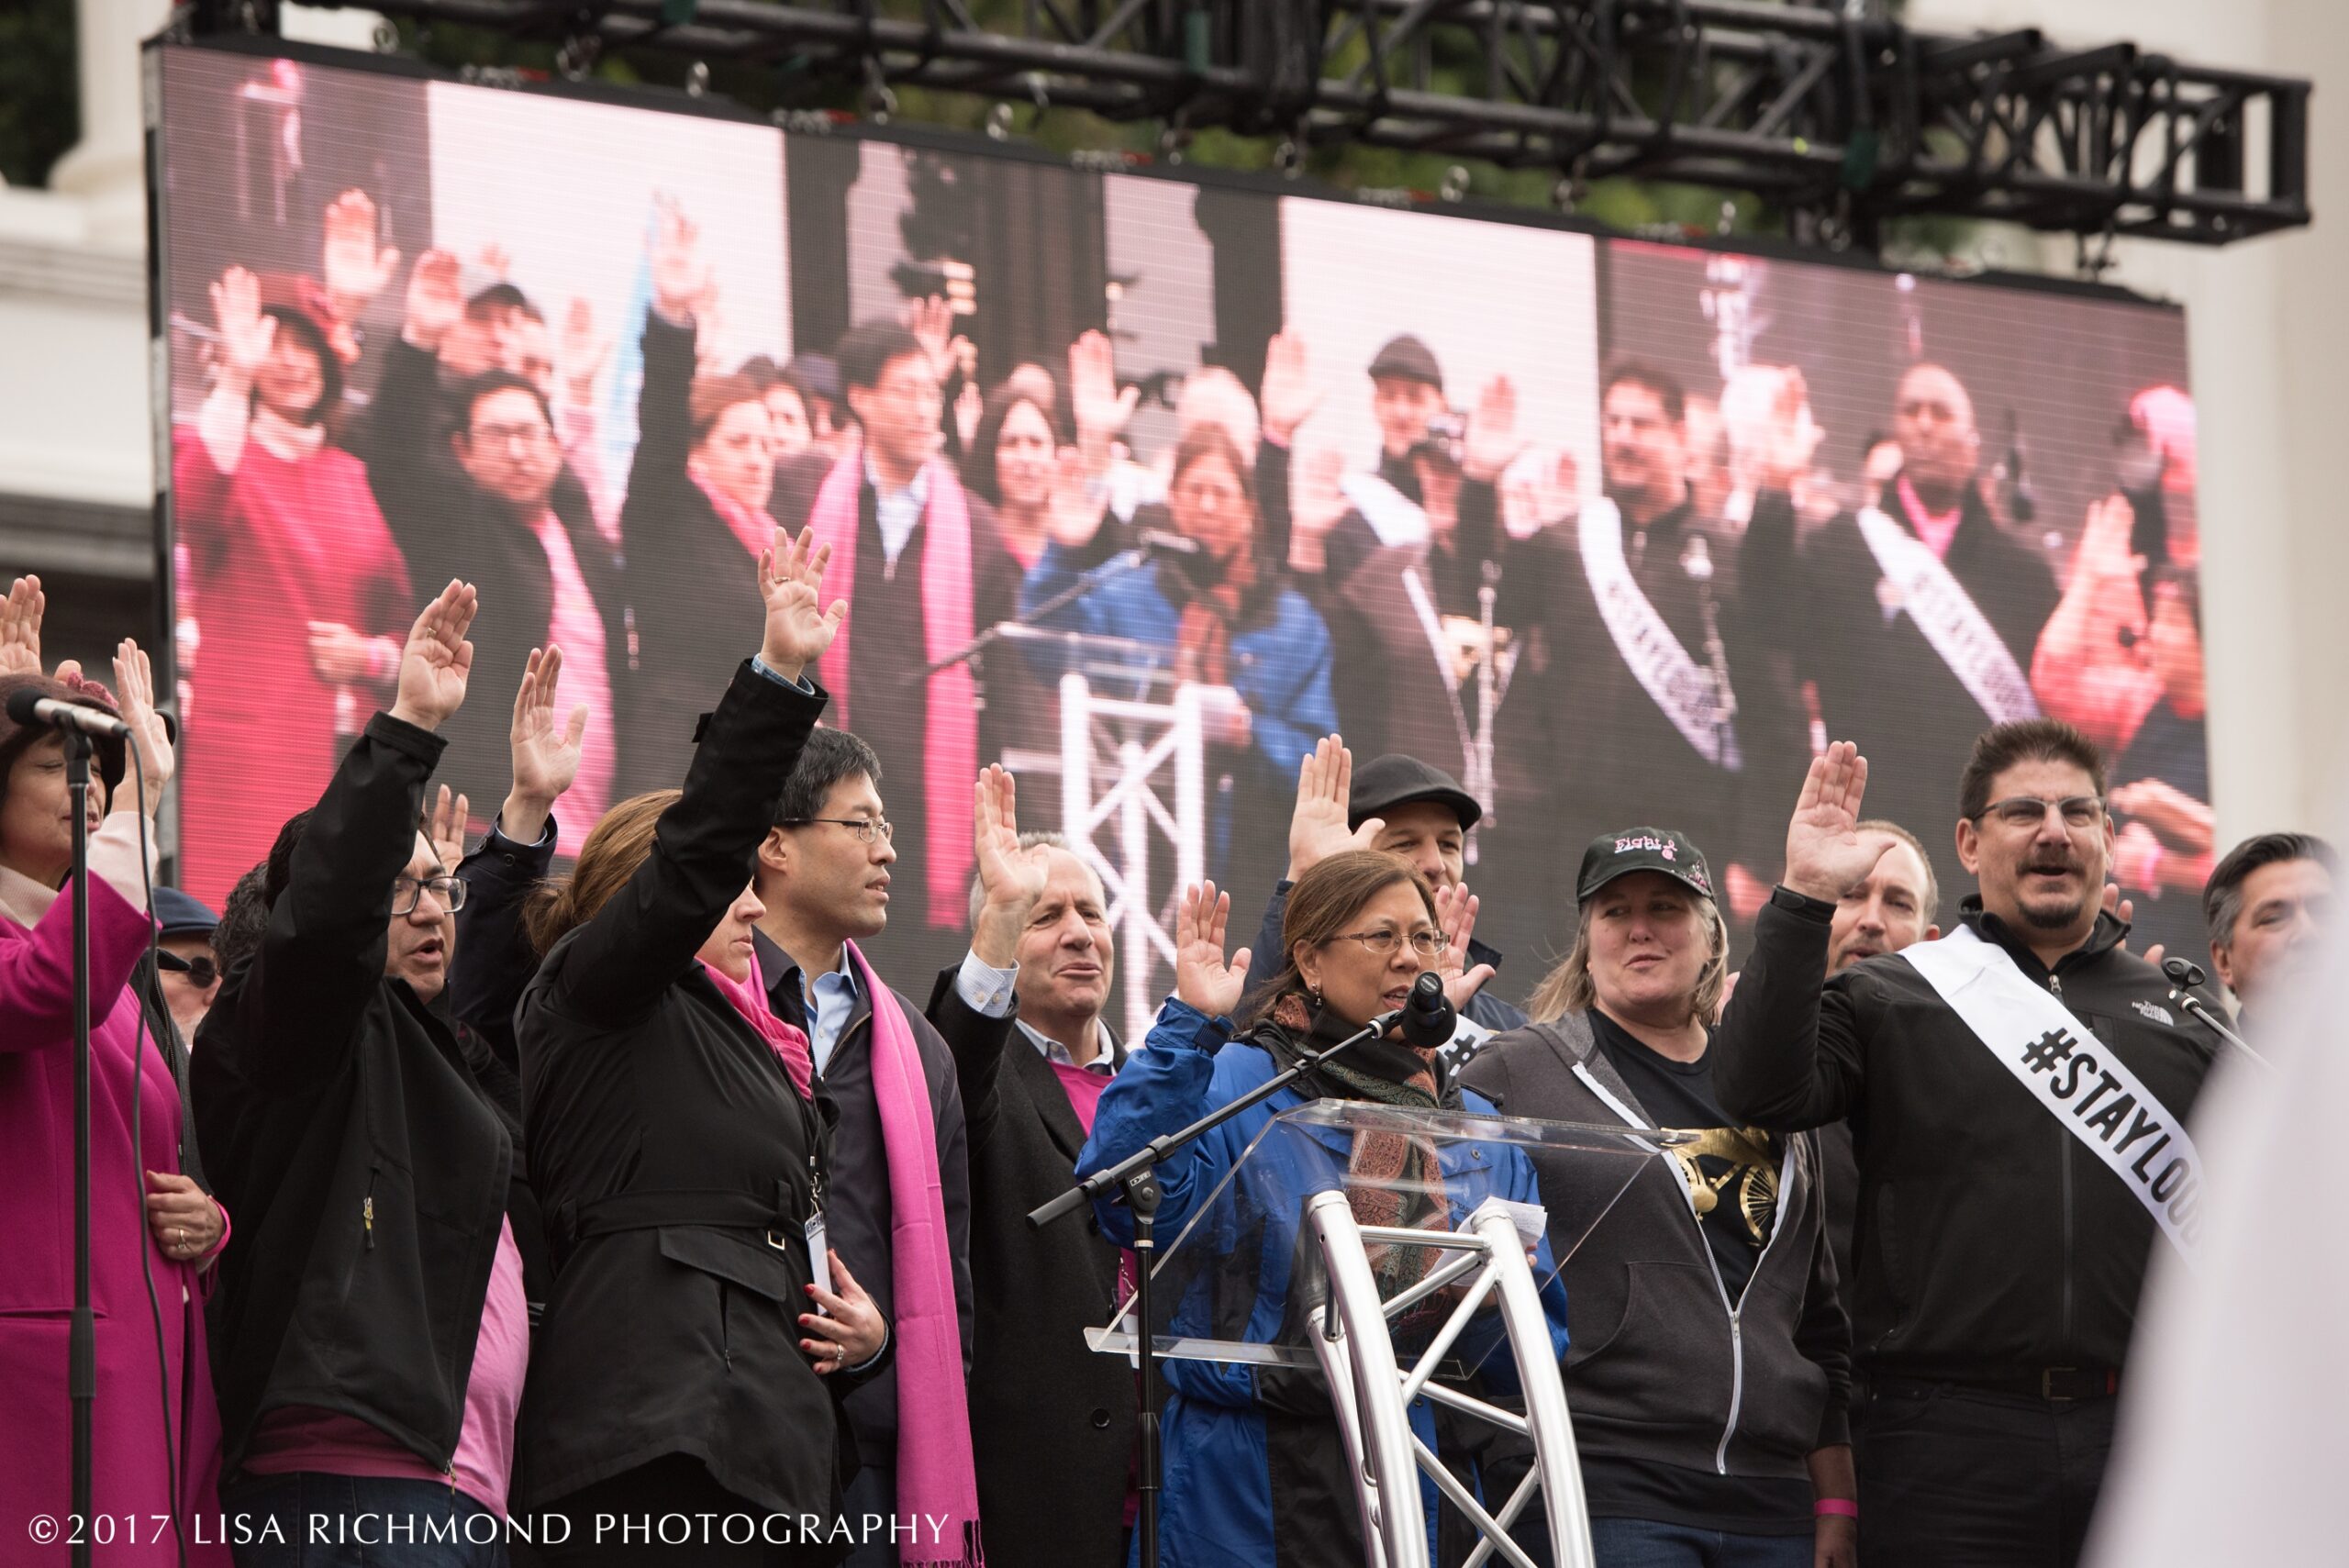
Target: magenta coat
134,1469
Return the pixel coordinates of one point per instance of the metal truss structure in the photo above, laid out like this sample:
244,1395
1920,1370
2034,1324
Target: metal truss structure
1846,119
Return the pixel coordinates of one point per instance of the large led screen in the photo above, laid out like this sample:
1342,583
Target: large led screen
1140,483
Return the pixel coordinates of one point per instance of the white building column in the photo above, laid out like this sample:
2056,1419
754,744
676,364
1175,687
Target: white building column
106,169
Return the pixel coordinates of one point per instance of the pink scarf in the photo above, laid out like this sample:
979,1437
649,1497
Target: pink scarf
936,1478
951,758
751,527
750,999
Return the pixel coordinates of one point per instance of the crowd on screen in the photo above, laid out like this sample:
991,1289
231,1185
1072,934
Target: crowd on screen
435,1181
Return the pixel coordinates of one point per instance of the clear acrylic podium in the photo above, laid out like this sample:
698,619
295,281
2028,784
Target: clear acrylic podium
1388,1254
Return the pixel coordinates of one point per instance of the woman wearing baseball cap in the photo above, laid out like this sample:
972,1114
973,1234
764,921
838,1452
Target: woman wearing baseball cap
1710,1367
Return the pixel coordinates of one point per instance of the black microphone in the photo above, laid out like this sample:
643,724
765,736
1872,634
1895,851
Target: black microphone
34,711
1158,541
1427,1018
2182,971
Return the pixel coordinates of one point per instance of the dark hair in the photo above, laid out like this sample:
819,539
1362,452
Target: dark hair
711,395
1322,904
313,338
617,845
1628,371
978,468
489,383
2183,581
244,921
830,756
278,870
2222,894
867,349
2001,746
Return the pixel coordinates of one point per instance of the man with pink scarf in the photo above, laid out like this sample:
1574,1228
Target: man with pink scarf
899,1212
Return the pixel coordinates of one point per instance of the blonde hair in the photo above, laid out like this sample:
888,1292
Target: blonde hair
1569,987
620,842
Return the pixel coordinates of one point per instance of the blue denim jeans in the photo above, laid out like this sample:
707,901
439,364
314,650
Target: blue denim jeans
1645,1543
309,1520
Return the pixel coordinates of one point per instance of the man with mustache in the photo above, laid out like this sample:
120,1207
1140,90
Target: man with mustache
823,874
2267,904
2019,1090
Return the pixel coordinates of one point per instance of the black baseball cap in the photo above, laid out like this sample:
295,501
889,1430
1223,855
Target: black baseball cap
1384,782
1611,855
1407,359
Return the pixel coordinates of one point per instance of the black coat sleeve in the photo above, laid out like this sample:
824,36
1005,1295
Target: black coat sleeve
495,960
297,1012
645,939
1786,1055
1823,1333
977,1044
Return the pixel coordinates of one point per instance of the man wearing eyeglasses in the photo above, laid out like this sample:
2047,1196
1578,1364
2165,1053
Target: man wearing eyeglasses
825,875
2019,1093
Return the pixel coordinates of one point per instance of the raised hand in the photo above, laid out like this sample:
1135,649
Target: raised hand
1455,914
1825,853
446,828
930,319
1493,441
437,661
1011,877
436,300
1100,407
352,268
1317,824
585,347
543,748
1290,394
683,283
246,332
1202,978
338,654
134,685
20,627
799,627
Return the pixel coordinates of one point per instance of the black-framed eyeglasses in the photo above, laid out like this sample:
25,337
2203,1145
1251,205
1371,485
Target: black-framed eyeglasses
2030,811
408,892
1426,941
868,830
201,970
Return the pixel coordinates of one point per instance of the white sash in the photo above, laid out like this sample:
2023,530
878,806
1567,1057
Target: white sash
2074,1077
1948,617
1394,517
1682,688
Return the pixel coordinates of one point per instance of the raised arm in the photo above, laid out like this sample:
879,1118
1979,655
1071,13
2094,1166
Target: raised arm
1786,1055
645,939
972,1010
299,1002
682,293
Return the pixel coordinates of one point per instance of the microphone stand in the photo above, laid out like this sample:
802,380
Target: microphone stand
1138,1175
1117,565
2193,1004
81,1374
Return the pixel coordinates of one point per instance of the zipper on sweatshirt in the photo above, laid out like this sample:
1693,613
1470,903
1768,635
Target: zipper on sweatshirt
367,1205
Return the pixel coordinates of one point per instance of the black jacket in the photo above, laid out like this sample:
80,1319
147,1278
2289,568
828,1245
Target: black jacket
1655,1369
1990,1244
1052,1421
448,527
859,1213
669,1144
367,1169
1486,1008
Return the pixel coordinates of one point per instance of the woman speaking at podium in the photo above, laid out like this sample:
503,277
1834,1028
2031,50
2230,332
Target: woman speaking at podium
1255,1468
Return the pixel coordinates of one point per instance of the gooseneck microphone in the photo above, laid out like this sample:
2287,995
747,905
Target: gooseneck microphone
2183,973
34,711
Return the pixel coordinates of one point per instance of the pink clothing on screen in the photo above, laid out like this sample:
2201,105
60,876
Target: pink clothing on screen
1936,528
576,625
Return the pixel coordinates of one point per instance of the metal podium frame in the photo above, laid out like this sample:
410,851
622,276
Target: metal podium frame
1145,740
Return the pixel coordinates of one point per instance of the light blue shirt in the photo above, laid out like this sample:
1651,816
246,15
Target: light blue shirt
833,999
897,512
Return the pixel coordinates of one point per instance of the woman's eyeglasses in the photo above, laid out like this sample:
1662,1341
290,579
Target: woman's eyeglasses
1426,942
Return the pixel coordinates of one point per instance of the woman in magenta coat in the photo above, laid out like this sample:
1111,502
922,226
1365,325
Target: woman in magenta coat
141,1210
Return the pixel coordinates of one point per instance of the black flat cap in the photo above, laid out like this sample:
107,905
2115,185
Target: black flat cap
1407,359
1384,782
